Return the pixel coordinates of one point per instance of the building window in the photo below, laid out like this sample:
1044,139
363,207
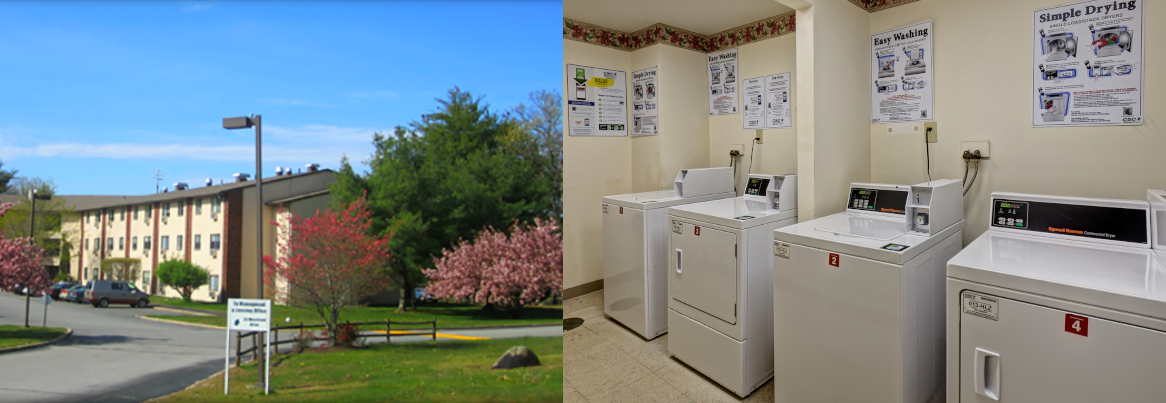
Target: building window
179,243
121,243
86,243
110,211
166,242
197,241
122,216
216,204
146,243
214,283
135,212
96,245
109,243
197,206
86,217
166,209
134,243
181,207
149,211
215,242
145,278
85,273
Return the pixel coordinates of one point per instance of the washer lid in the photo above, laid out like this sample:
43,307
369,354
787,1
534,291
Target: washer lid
737,213
865,236
660,199
1116,277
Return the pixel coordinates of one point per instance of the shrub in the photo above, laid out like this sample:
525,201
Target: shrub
183,276
347,334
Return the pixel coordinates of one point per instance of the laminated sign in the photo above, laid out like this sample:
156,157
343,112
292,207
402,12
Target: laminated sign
644,96
767,102
598,105
901,75
249,314
722,79
1087,64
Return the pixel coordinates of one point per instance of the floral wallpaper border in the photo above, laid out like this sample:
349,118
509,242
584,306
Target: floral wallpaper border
879,5
771,27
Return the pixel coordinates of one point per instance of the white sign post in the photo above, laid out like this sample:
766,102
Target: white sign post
45,318
249,315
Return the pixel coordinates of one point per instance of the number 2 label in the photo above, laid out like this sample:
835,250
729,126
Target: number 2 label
834,259
1077,324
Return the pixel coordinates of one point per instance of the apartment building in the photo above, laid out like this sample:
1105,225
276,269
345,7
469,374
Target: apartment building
212,226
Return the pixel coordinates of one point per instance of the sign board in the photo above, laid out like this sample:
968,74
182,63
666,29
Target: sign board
767,102
249,314
722,79
645,93
1087,64
902,74
598,105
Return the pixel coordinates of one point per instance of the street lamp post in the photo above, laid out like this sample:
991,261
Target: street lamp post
32,197
246,122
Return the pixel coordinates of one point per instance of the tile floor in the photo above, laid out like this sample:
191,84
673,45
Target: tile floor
605,362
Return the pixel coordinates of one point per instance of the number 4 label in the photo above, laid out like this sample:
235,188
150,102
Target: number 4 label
1077,324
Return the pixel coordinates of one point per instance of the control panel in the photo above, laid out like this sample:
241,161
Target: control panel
1011,214
1100,220
757,186
863,199
877,200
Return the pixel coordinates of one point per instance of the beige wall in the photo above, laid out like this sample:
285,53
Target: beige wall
592,168
777,154
1109,162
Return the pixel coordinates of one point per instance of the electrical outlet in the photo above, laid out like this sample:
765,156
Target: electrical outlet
972,146
932,131
758,137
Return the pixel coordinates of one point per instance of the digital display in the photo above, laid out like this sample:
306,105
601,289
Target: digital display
757,186
881,201
863,199
1010,214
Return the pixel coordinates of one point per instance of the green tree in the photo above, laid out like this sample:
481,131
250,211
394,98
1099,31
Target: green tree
66,266
18,222
444,178
541,123
6,177
182,276
122,269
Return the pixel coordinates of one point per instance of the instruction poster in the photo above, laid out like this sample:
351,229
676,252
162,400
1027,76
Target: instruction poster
766,102
901,74
1087,64
598,104
722,72
644,98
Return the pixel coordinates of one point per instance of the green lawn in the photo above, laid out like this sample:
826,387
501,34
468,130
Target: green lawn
455,371
15,336
447,315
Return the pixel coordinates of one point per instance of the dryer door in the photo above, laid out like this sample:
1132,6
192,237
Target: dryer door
703,269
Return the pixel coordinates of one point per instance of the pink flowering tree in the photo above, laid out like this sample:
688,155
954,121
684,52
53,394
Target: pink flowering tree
20,264
327,261
506,272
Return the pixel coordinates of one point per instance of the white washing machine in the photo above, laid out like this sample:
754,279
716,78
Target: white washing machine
858,296
635,247
1068,305
719,317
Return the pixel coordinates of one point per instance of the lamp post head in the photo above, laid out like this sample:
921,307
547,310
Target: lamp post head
241,122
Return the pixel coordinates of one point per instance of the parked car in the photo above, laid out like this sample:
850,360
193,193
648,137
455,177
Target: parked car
75,294
104,292
31,293
56,291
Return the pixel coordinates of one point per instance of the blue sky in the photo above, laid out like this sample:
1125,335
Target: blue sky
96,95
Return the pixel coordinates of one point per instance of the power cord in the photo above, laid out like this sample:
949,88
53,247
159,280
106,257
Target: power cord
751,147
927,146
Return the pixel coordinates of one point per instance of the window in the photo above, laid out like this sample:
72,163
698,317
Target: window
131,286
215,241
86,243
216,204
178,243
145,278
136,212
166,242
197,241
134,243
122,216
197,206
85,273
214,283
86,217
109,243
146,243
96,244
149,211
181,207
110,211
121,243
166,209
116,286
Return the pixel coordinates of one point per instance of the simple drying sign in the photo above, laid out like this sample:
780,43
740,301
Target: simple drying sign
249,314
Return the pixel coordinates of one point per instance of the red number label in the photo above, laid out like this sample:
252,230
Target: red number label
696,231
621,210
1077,324
834,259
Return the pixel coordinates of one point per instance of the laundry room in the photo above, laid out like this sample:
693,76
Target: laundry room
881,137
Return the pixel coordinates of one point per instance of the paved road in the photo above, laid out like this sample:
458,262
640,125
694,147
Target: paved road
112,356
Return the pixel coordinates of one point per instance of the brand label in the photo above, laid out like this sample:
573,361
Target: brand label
781,250
604,209
676,227
895,247
1077,324
833,259
984,306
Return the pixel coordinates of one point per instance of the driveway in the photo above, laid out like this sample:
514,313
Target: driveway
111,356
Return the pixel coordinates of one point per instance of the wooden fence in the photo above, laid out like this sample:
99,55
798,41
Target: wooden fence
256,336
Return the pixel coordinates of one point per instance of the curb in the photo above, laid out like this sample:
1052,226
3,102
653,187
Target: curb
200,382
183,311
68,332
179,323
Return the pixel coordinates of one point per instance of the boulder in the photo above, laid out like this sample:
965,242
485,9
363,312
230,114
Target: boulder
517,357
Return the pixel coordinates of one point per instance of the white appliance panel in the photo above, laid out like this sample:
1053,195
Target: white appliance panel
862,226
625,291
704,272
714,354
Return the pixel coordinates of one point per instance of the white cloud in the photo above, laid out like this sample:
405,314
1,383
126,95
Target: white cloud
199,6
